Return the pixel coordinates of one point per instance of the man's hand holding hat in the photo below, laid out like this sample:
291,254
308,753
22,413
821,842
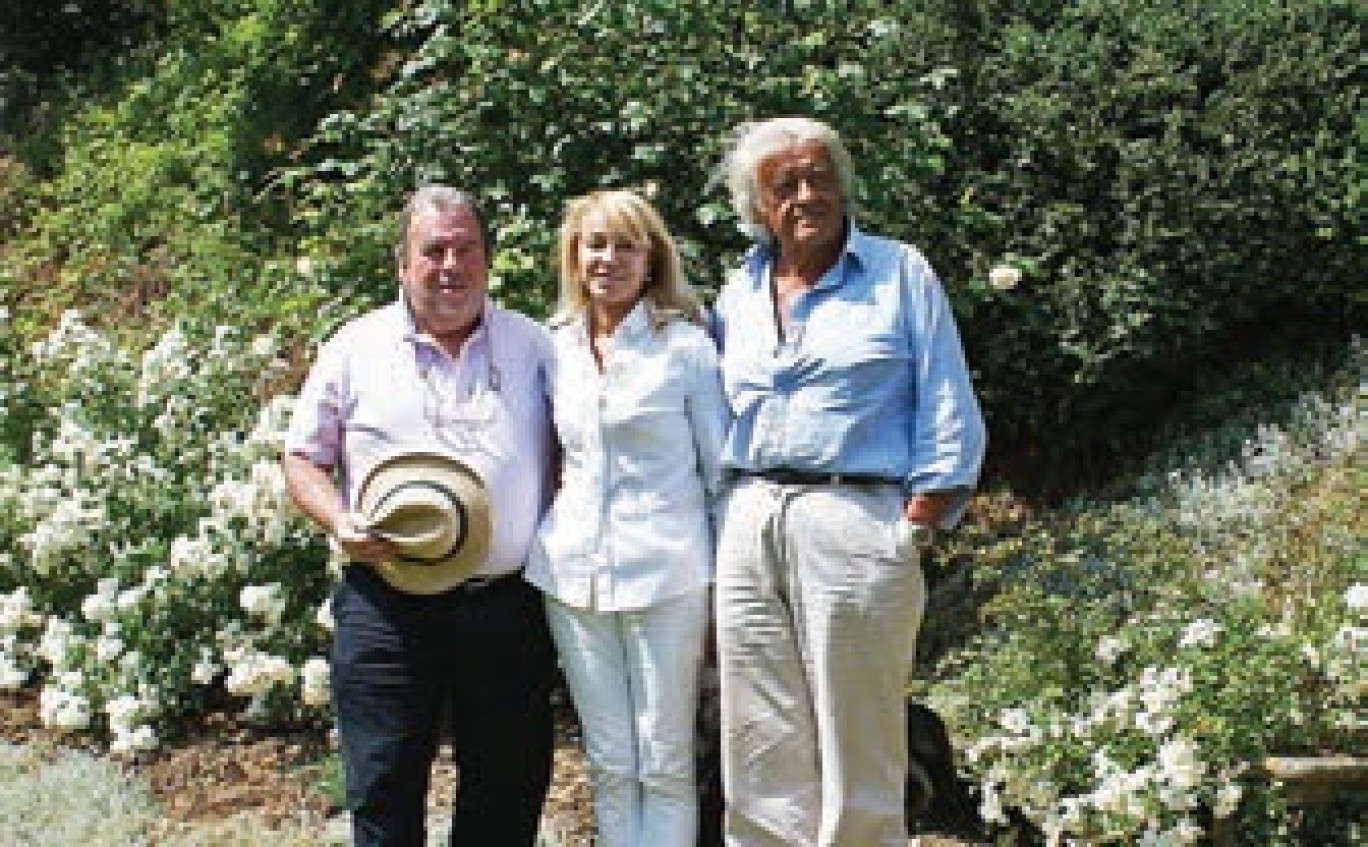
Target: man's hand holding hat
360,544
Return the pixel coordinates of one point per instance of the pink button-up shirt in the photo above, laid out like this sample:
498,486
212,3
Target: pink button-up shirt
377,388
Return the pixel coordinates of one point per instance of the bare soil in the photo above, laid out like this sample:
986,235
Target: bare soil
223,768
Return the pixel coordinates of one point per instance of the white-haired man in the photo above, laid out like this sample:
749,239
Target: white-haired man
855,435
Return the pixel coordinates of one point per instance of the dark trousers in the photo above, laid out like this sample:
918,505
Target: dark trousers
401,662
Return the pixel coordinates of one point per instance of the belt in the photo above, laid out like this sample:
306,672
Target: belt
473,585
483,583
786,476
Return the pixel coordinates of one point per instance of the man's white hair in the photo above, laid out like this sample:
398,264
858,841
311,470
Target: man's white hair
753,142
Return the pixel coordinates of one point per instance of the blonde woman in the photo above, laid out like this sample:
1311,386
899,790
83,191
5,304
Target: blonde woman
625,556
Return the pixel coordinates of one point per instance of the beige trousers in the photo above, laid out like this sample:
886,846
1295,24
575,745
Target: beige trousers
817,617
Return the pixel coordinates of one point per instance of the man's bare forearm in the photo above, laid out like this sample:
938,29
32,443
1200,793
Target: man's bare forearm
314,492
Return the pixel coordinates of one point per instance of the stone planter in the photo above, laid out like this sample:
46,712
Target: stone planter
1308,781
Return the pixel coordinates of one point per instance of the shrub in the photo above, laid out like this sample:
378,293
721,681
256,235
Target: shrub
1123,196
1140,656
529,103
151,562
73,798
1178,185
151,207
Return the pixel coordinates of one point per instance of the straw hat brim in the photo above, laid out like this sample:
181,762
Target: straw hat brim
436,510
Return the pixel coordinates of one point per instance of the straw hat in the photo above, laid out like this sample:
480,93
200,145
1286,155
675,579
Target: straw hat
435,509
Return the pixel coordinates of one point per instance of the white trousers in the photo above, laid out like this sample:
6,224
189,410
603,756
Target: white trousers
817,617
634,680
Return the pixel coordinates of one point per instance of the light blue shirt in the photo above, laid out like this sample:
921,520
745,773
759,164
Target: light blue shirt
641,442
871,378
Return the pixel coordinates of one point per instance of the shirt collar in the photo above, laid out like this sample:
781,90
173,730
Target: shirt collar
409,327
643,317
855,251
637,322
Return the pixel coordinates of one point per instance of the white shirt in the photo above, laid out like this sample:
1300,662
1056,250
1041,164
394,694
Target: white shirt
378,387
642,439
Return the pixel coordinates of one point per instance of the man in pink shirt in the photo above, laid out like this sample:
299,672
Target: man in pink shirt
441,369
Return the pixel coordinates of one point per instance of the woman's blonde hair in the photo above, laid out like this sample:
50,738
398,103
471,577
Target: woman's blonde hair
626,213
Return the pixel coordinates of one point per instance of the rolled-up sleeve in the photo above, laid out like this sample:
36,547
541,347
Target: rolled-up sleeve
315,430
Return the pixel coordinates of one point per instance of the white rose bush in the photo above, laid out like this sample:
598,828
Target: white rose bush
1136,661
152,567
1139,658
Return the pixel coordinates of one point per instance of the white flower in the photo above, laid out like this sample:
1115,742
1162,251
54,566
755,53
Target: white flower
314,682
1183,832
1227,799
990,806
108,649
59,638
1200,633
206,669
130,598
1109,649
1015,721
1350,640
263,601
62,710
1179,765
1158,691
134,739
257,673
1153,723
263,346
100,606
12,677
196,556
1356,598
126,710
131,662
273,420
304,266
1311,654
16,612
324,617
1004,277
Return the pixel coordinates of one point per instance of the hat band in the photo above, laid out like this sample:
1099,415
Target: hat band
456,505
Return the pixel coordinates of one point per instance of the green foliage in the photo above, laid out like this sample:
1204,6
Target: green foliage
1180,185
44,47
1138,657
1148,215
43,36
152,211
1179,188
530,103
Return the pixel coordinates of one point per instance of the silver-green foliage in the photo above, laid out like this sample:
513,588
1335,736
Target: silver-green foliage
69,798
1141,657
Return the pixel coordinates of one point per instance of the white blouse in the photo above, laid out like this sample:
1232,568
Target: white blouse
631,524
